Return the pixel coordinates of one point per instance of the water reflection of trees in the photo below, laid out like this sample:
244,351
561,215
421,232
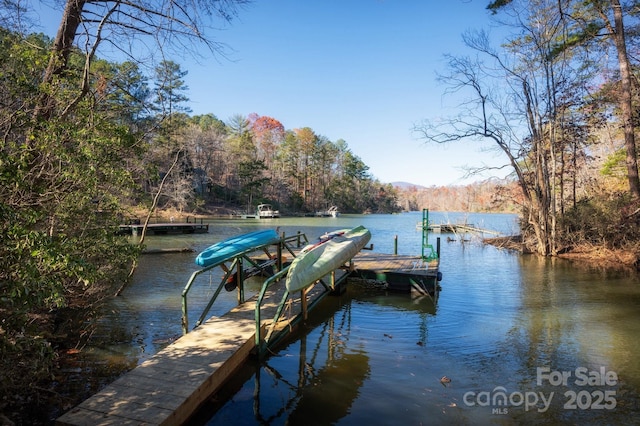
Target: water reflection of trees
572,317
328,377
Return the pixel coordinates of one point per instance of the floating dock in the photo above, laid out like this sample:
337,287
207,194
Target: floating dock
406,274
171,386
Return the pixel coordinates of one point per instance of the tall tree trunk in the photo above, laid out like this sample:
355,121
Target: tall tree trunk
540,192
625,101
62,46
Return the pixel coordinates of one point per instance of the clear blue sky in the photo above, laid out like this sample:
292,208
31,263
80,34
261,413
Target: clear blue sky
359,70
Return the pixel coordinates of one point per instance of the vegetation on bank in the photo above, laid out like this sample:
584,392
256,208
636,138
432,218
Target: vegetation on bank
557,97
86,139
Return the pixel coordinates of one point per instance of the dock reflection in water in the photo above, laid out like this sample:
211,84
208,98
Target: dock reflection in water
326,368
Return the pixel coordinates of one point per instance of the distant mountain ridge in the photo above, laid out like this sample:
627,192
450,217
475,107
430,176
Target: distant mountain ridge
406,185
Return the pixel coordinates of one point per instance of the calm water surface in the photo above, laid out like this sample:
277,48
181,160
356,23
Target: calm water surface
523,340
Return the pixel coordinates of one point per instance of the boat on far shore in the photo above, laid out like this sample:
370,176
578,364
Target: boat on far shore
330,212
263,211
266,211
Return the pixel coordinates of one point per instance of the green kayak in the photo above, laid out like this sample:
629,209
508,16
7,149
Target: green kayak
319,259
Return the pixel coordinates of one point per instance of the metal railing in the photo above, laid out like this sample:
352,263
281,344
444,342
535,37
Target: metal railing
428,252
237,267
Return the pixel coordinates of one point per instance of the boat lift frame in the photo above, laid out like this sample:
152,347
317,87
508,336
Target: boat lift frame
237,267
275,333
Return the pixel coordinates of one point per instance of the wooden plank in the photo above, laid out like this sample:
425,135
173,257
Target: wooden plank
121,404
399,273
211,384
170,386
145,406
391,262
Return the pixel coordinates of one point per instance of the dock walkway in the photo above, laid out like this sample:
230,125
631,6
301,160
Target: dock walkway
168,388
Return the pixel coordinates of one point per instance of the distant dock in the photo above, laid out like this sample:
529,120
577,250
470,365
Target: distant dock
453,228
170,228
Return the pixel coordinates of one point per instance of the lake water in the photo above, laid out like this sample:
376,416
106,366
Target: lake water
520,339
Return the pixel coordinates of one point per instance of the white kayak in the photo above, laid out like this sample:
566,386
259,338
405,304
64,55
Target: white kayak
319,259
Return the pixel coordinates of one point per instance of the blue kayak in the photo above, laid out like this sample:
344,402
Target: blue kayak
235,246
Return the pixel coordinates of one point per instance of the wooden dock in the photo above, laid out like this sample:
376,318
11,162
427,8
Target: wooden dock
407,274
170,228
168,388
165,228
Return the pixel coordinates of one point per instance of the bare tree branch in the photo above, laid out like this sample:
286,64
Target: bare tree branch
131,28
